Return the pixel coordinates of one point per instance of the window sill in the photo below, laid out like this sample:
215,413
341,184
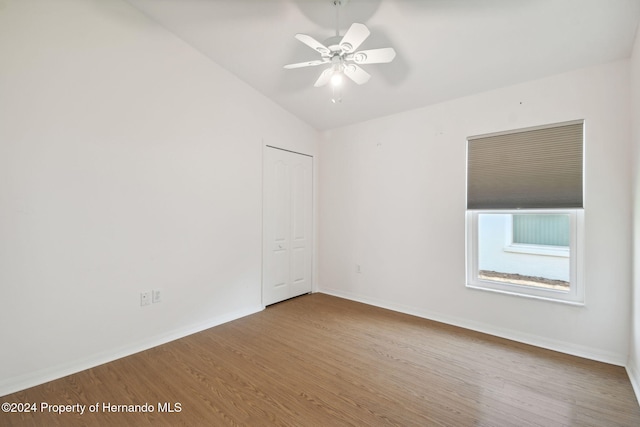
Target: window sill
538,250
512,290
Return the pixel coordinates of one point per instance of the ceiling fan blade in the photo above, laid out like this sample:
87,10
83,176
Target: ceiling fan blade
306,64
313,43
356,74
354,37
324,77
374,56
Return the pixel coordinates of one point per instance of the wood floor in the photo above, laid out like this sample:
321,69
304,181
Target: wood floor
318,360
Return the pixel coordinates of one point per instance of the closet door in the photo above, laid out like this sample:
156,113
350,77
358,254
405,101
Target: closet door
287,225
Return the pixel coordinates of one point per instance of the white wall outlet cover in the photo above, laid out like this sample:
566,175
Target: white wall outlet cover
145,298
156,295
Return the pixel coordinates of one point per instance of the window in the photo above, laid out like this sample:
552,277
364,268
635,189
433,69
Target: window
525,212
541,229
537,270
540,234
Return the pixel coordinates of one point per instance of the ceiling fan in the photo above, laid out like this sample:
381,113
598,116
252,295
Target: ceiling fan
340,52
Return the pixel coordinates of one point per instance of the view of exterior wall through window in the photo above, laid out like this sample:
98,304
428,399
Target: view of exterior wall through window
525,249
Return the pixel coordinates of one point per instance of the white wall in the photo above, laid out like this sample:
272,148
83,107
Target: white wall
128,162
392,200
633,366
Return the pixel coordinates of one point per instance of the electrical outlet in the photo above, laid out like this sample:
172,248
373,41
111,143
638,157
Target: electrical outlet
145,298
155,296
358,268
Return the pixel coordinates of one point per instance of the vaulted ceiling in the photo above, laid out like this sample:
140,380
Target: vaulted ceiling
445,48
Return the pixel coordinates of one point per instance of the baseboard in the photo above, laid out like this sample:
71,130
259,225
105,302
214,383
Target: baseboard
22,382
535,340
634,377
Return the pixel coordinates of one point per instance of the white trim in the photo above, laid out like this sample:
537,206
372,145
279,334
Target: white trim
634,378
22,382
290,151
513,290
559,251
591,353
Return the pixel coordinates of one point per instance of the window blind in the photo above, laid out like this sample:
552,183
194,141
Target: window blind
527,169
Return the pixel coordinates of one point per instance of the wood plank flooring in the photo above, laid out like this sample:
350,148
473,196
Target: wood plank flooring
318,360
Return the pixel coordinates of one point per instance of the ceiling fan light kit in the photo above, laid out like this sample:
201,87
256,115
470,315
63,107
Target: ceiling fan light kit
340,53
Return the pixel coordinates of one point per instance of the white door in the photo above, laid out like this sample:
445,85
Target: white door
287,225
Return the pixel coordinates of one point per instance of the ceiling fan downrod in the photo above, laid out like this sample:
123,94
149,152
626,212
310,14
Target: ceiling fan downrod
337,4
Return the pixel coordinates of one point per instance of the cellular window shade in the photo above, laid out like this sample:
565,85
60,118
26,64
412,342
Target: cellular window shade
528,169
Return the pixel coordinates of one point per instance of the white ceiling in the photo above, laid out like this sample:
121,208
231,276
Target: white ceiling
445,48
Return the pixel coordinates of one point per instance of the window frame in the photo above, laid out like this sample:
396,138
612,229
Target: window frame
576,293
